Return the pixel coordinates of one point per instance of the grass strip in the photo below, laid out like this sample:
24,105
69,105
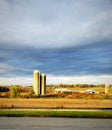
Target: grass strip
73,114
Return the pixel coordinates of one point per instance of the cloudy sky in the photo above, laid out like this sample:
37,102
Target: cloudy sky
68,40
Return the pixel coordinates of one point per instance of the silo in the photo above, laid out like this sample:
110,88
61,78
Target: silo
36,86
43,84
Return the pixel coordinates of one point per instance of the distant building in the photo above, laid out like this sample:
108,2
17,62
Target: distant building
64,90
90,91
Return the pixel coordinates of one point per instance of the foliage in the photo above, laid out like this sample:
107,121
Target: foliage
30,92
4,89
14,91
77,85
27,91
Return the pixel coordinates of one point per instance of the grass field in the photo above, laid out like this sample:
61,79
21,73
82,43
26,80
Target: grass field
73,114
54,103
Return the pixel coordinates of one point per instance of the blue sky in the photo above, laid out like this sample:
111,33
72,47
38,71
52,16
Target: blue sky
68,40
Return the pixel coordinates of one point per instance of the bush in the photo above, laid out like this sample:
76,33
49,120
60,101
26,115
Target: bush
14,91
4,89
30,92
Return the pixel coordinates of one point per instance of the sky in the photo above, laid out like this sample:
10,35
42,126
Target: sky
68,40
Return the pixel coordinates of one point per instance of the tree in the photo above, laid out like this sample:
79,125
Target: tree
30,92
14,91
4,89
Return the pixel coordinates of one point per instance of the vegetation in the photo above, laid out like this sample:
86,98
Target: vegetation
17,98
14,91
13,97
4,89
73,114
27,91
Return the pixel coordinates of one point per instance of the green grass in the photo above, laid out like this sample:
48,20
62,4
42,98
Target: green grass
73,114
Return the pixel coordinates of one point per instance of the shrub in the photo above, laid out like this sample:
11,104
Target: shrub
30,92
14,91
4,89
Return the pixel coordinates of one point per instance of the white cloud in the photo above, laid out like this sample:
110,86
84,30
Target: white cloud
101,79
16,81
52,24
99,28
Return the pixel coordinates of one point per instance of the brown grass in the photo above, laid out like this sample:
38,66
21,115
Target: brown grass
55,103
